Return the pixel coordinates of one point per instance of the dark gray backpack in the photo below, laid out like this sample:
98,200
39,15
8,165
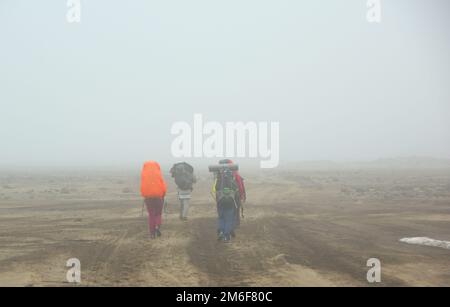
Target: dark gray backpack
183,173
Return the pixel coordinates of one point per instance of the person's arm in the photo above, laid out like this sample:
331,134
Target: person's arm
214,190
240,182
244,193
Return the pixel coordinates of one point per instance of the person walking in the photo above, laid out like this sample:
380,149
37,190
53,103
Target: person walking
226,191
241,198
153,190
183,173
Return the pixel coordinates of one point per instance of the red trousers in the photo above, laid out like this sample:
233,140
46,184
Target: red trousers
154,208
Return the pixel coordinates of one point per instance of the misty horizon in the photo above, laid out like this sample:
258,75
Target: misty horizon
107,91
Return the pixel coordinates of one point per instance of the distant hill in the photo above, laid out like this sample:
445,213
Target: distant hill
385,163
411,162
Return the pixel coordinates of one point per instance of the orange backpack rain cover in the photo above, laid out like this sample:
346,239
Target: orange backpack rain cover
152,182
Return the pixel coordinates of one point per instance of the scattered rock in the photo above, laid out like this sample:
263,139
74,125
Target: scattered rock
65,191
279,259
127,190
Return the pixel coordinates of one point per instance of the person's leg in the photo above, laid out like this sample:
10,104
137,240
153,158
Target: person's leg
229,220
158,210
151,219
181,208
220,220
185,208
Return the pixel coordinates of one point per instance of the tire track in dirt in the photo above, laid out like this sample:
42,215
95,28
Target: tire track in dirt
322,246
118,259
259,241
223,264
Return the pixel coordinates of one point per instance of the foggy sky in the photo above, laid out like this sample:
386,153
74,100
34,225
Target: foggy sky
107,90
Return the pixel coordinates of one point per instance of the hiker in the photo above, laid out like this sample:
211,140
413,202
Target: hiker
153,189
242,194
183,173
226,192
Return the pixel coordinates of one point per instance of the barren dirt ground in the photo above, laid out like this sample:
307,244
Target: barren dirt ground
301,228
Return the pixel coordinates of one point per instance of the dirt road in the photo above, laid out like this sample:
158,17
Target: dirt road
317,229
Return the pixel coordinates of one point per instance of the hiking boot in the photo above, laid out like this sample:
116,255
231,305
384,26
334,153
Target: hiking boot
158,232
220,236
226,239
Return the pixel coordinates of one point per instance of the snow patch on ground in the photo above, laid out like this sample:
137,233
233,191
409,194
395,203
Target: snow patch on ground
427,242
